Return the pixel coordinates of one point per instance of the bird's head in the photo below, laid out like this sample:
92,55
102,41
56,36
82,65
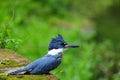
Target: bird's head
59,44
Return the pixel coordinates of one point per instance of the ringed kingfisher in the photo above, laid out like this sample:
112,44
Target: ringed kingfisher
48,62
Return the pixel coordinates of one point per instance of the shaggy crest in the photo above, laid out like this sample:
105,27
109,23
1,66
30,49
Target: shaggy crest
56,42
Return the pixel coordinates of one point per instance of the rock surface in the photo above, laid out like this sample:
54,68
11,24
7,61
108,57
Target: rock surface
11,61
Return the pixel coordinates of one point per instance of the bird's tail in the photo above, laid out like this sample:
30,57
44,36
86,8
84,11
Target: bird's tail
17,71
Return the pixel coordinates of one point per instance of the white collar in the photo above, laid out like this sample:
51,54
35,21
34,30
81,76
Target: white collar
55,51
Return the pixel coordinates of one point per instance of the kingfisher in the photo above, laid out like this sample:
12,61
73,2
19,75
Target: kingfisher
48,62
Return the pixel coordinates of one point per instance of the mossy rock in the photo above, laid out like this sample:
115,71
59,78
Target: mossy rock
28,77
10,58
11,61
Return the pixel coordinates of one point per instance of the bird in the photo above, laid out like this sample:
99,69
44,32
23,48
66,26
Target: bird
48,62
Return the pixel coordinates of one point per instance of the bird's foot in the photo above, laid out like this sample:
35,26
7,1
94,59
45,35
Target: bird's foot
49,73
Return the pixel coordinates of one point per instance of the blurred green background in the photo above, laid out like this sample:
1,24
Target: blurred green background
27,27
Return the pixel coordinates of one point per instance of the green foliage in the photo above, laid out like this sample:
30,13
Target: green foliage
5,42
35,22
3,37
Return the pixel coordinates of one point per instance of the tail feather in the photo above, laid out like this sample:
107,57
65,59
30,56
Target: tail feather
16,72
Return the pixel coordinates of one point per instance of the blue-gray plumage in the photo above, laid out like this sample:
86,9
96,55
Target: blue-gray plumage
50,61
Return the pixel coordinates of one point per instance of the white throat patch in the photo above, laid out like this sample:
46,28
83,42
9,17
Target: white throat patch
55,51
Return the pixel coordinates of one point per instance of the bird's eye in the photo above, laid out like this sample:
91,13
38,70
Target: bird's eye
64,44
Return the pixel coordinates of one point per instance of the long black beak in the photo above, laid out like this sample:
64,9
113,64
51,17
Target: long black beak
71,46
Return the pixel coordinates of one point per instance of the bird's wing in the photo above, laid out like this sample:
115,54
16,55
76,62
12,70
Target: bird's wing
29,67
47,64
